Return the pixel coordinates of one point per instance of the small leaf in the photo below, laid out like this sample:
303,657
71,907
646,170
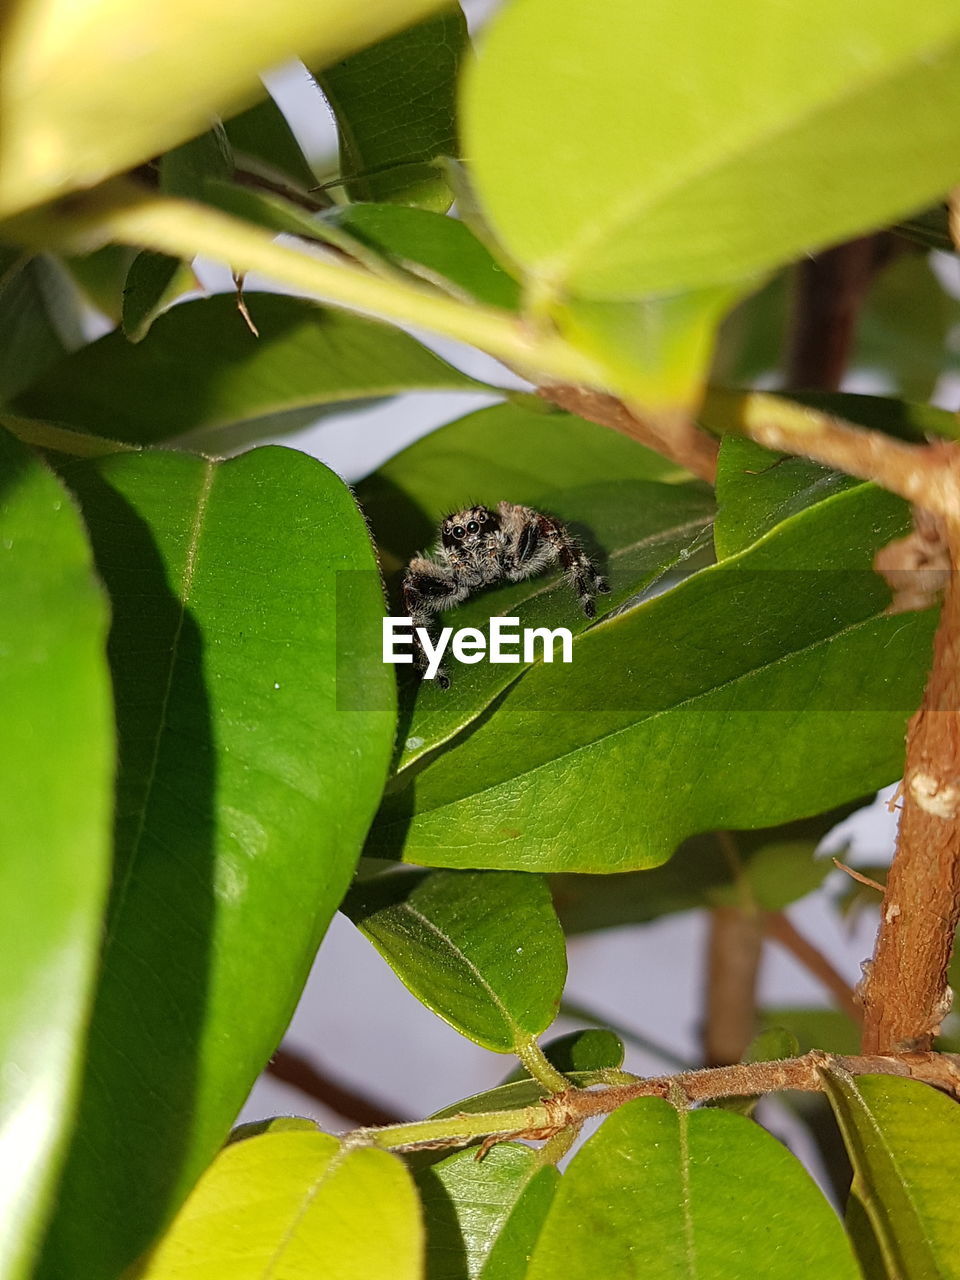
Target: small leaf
100,276
903,1138
242,800
153,282
201,369
620,152
78,107
695,1194
57,763
276,1204
482,1215
778,863
484,951
595,1049
432,246
394,105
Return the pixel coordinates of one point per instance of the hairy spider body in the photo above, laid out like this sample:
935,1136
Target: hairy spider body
478,548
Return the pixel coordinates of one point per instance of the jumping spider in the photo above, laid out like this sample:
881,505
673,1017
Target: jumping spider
479,547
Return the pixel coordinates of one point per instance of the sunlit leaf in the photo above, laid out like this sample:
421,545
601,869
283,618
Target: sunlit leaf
57,762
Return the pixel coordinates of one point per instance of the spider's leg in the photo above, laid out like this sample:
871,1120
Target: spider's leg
541,541
428,588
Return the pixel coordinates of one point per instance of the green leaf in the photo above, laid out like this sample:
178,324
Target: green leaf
395,111
484,951
78,107
243,797
261,133
903,1138
595,1049
274,1205
153,282
665,1193
518,451
433,246
777,864
57,762
39,321
185,169
688,712
483,1216
620,151
758,489
201,369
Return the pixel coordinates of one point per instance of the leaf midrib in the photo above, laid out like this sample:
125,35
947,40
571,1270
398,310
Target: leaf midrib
655,715
189,571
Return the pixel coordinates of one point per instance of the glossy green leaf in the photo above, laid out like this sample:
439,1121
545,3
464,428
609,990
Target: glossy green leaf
201,369
518,451
95,89
667,1194
482,1216
595,1049
437,248
777,863
261,134
39,321
903,1138
758,489
484,951
395,111
153,282
57,762
185,169
243,797
278,1204
689,712
620,151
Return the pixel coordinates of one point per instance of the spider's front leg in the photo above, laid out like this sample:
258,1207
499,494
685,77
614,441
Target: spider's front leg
539,541
428,588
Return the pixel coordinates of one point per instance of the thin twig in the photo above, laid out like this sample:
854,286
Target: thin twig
572,1107
291,1068
779,928
860,878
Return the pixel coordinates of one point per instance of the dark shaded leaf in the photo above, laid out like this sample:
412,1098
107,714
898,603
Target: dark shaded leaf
243,798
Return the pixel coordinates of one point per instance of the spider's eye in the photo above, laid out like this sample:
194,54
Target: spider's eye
473,527
482,518
458,532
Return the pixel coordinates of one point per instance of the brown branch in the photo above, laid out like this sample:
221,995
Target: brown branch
780,929
733,962
905,994
679,439
572,1107
291,1068
829,292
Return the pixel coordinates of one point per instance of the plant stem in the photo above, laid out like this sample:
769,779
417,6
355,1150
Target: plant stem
905,994
781,929
123,213
534,1060
571,1108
